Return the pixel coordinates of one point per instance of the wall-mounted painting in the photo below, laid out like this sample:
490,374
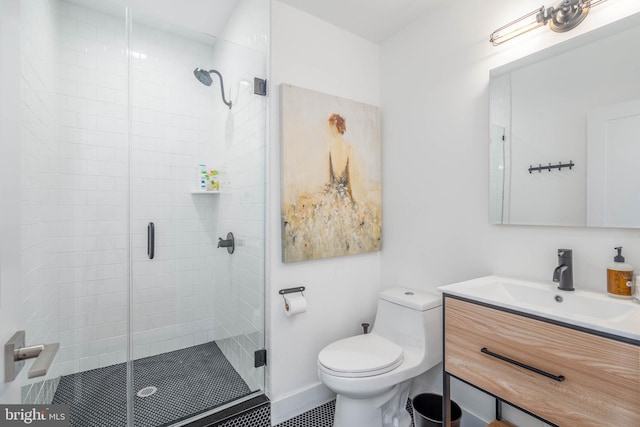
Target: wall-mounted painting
331,176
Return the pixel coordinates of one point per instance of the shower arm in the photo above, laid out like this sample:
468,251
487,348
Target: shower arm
221,88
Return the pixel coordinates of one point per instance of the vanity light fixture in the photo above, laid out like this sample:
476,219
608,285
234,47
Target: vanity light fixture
564,17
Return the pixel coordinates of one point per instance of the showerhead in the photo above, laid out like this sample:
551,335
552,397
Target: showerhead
203,76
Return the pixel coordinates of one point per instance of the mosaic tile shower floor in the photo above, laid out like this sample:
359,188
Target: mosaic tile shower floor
188,381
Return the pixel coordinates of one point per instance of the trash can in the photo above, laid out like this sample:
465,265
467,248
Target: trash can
427,411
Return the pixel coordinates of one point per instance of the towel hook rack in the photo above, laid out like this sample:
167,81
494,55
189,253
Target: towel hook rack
559,166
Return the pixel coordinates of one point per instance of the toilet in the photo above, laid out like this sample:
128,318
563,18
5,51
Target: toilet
372,373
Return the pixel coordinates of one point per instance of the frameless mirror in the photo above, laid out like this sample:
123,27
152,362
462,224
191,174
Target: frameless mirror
565,133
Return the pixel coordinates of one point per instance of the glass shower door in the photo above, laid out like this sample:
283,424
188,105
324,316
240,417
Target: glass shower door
113,127
197,303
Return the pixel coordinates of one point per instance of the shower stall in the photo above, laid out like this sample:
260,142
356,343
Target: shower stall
110,247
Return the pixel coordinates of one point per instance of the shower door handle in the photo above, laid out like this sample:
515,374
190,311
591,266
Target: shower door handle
151,232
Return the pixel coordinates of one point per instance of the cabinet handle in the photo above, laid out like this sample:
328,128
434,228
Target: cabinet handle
522,365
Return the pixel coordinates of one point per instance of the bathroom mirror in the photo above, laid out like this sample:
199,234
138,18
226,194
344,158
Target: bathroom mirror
565,133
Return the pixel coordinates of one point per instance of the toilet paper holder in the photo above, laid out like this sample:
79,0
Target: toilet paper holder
287,306
283,292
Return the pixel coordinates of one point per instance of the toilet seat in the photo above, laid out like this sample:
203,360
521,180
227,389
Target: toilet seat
360,356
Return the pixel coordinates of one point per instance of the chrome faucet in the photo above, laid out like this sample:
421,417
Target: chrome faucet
563,274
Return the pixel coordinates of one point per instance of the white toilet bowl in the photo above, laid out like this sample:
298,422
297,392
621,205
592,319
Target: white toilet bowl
372,374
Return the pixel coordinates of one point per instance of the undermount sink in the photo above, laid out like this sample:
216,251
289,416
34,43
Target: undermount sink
588,309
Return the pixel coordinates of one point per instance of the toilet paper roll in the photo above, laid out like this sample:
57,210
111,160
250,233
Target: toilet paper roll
294,304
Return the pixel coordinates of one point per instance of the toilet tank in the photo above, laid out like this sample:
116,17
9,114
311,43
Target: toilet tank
411,319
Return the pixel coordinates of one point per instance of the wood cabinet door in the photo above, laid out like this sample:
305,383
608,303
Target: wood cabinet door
597,380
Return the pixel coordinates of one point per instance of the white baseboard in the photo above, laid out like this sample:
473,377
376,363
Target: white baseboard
299,402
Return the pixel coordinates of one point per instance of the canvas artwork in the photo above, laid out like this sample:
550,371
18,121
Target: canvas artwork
331,176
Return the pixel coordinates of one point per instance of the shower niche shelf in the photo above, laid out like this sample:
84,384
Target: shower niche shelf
205,191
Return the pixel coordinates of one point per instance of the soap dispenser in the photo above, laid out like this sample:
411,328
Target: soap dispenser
619,277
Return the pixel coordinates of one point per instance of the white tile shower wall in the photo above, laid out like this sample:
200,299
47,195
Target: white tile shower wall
172,128
39,198
240,149
248,25
90,246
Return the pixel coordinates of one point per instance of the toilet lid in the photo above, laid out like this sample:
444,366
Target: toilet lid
360,356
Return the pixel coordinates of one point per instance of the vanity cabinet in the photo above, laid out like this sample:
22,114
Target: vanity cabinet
567,376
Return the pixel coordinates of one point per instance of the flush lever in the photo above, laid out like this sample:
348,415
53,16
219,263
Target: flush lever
15,353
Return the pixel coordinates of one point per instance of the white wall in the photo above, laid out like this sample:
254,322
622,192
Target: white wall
10,111
436,156
341,292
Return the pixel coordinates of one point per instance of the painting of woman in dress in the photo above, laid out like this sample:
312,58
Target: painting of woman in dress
331,180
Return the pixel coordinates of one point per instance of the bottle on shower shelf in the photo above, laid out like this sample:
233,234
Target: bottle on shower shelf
213,182
202,176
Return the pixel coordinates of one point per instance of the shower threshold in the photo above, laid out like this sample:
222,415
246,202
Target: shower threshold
168,388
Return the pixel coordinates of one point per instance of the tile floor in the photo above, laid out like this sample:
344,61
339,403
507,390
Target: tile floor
322,416
188,381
